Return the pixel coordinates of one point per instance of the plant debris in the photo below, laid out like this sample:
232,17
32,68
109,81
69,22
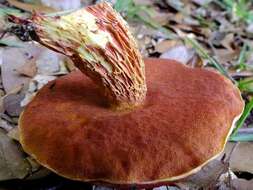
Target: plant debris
199,33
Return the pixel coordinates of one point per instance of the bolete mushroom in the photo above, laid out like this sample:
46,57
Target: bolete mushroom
131,127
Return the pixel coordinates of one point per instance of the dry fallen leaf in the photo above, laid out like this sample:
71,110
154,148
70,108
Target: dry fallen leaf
14,133
216,37
28,69
14,58
224,55
2,105
12,163
144,2
241,74
48,62
12,104
1,56
224,182
36,170
5,125
14,91
202,2
195,61
160,17
179,53
102,188
69,64
242,156
63,4
31,7
249,29
41,80
168,188
169,49
227,41
206,177
242,184
164,45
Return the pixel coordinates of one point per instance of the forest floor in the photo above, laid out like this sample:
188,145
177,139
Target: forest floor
198,33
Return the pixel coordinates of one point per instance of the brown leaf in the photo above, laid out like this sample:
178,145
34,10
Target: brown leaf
242,184
14,58
28,69
37,171
160,17
195,61
178,18
2,105
1,101
216,37
241,158
14,133
206,177
5,125
164,45
227,41
31,7
225,55
69,64
16,90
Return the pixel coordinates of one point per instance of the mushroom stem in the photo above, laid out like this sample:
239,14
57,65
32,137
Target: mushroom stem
98,41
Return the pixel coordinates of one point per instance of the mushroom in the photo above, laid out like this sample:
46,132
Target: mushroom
137,121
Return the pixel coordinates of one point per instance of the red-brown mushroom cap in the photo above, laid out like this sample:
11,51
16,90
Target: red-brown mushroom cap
185,121
180,124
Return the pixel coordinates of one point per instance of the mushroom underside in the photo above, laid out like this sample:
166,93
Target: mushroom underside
184,123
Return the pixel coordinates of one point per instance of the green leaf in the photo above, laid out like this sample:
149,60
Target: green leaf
239,9
125,5
242,56
11,43
241,137
10,11
246,85
245,114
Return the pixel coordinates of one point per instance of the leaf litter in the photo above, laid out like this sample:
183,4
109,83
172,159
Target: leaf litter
199,33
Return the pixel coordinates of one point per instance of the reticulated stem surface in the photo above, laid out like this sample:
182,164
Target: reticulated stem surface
98,41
